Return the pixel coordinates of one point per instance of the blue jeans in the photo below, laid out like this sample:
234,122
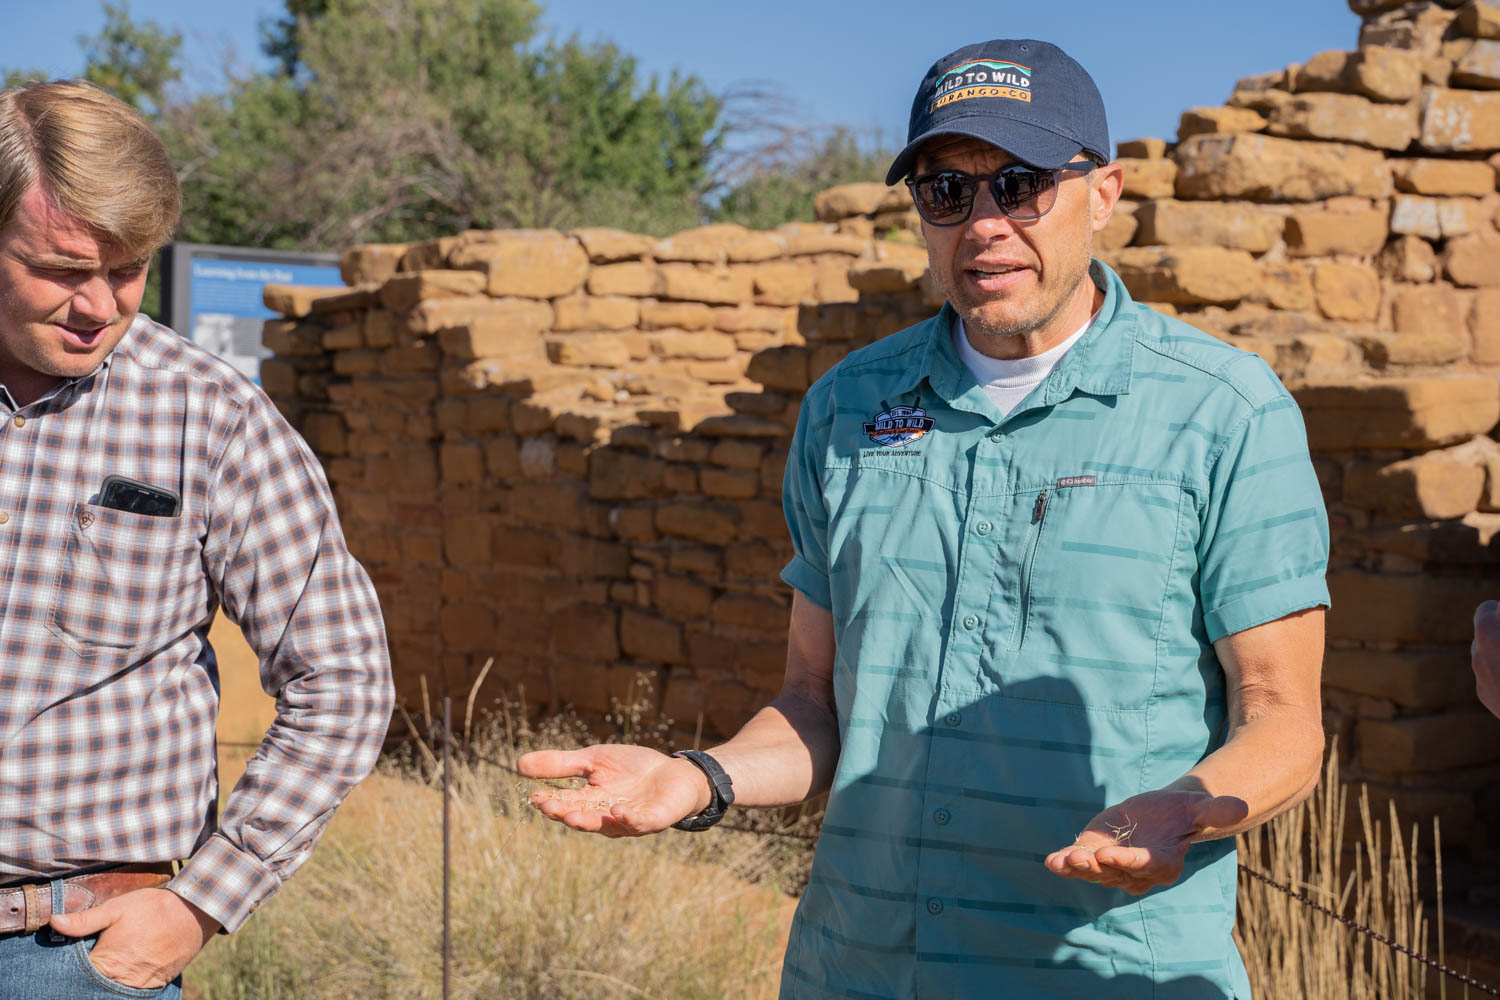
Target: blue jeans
48,966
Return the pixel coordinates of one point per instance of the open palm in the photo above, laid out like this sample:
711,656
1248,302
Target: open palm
631,790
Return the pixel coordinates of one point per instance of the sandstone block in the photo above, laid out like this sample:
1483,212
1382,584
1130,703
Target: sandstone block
780,368
1473,261
1423,608
1364,8
677,315
705,244
729,484
1385,74
1346,118
1460,121
586,312
1428,309
429,254
1209,120
1484,324
513,314
1320,234
691,284
1427,743
1289,286
1433,347
1265,168
537,264
1141,149
1117,233
1418,29
588,350
1149,178
886,276
370,262
1407,258
404,290
806,238
1478,67
847,200
606,246
1434,218
708,523
1479,19
295,301
646,637
1428,486
1324,71
1444,177
784,284
1347,291
1187,275
629,277
1398,413
617,474
681,597
703,345
1233,225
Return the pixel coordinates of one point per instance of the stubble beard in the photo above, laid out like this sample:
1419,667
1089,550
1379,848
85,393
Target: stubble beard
1032,320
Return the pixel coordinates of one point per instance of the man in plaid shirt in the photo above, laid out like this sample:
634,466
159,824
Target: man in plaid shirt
143,485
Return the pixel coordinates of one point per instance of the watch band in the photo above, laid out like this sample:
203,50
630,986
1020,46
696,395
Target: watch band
720,784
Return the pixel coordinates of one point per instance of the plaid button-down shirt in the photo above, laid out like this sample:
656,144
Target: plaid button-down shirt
108,686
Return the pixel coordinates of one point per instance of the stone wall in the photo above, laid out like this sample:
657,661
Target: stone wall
565,450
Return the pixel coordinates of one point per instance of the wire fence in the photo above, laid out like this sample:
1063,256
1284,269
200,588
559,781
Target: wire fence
446,739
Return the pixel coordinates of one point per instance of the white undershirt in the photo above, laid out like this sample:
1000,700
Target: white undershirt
1007,383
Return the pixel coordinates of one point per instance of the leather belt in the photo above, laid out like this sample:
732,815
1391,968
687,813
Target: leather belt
28,907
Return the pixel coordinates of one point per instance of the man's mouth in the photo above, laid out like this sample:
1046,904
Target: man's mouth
84,337
995,277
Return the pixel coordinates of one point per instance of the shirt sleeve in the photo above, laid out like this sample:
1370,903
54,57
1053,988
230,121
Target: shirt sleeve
277,559
802,503
1263,551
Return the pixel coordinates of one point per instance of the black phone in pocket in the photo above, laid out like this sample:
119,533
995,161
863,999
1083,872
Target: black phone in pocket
121,493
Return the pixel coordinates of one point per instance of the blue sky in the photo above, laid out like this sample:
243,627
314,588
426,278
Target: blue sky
851,63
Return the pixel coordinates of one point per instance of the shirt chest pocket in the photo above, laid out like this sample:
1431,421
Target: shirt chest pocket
1094,571
126,580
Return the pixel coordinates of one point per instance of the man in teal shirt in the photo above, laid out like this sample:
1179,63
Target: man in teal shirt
1059,568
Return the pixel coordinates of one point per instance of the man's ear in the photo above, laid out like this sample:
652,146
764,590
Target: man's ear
1105,186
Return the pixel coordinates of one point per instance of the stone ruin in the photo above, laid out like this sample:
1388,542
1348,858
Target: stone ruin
564,450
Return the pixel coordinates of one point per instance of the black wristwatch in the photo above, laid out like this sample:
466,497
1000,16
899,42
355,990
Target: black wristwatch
719,783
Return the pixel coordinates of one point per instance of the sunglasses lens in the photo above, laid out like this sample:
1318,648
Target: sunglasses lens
944,197
1023,193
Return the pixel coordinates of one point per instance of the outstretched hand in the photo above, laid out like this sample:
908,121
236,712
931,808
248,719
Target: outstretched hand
631,790
1142,842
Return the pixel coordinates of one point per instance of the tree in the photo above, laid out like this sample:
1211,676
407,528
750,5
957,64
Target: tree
779,185
134,62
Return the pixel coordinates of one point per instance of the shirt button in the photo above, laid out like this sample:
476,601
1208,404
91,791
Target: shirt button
4,517
941,817
982,528
995,435
953,719
19,421
971,622
934,906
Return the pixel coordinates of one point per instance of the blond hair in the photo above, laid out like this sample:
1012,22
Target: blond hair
94,156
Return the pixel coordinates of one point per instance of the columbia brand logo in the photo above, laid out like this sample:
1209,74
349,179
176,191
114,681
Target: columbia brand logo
1067,481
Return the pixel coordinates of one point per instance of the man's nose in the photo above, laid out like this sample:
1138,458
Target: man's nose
986,221
94,301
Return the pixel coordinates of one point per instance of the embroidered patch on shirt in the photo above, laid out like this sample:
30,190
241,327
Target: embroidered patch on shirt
899,426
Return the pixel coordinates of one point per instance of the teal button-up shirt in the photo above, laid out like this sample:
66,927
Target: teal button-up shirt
1024,611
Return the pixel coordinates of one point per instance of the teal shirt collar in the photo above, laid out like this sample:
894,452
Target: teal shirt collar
1100,364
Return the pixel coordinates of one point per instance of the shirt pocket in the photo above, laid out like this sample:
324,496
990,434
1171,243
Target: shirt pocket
126,580
1092,580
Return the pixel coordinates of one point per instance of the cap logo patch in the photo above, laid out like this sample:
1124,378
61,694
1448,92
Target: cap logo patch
982,78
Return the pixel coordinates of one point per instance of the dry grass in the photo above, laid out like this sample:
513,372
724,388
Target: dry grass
1291,950
538,912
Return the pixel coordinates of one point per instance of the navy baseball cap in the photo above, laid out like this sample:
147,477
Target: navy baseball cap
1027,97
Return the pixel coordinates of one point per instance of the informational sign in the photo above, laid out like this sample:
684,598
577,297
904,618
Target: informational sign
212,294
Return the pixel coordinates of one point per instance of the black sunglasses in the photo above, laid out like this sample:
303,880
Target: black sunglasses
946,197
